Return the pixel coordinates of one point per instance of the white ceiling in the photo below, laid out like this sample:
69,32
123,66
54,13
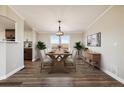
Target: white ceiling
74,18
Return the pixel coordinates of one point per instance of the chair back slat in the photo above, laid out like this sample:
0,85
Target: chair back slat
74,53
43,53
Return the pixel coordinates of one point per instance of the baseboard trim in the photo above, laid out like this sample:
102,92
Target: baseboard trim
35,59
113,75
11,73
2,77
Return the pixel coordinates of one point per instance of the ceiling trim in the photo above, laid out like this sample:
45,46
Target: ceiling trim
102,14
17,13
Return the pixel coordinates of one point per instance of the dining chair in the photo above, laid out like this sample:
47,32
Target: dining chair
45,60
71,61
47,50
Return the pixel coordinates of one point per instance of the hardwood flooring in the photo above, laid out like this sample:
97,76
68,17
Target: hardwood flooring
85,76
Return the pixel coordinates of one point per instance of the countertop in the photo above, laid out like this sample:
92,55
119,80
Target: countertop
9,41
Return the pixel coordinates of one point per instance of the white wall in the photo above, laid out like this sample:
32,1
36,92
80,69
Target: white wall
111,26
2,60
28,34
35,53
7,68
2,32
13,63
74,37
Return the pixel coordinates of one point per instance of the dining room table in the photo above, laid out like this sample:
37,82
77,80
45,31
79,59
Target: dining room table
58,61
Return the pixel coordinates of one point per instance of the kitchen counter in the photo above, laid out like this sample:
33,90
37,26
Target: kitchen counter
9,41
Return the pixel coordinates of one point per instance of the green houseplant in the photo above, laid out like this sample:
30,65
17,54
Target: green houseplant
79,46
41,45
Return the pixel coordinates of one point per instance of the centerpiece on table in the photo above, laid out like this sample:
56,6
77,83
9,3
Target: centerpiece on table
59,47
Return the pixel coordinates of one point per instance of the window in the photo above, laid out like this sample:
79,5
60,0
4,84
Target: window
65,40
54,39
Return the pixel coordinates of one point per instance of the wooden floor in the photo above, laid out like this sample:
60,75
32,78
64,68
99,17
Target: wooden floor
85,76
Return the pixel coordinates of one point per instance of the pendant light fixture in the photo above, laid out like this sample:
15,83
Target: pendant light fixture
59,33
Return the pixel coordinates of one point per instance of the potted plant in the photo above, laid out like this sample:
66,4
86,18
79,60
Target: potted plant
41,45
79,46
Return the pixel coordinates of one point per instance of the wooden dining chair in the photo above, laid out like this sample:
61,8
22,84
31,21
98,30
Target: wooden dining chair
45,60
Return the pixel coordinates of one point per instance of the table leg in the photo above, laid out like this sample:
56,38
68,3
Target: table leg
58,66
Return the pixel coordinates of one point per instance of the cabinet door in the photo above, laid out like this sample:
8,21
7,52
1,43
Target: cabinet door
96,58
28,54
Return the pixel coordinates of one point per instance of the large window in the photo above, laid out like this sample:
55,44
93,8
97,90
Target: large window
65,40
54,39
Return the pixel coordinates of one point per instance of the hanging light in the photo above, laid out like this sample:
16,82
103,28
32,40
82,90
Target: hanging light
59,33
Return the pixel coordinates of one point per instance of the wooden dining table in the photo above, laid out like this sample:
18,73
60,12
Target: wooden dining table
58,61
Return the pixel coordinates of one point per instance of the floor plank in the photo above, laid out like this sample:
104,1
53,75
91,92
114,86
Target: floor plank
85,76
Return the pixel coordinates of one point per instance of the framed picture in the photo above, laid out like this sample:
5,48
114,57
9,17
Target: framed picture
94,40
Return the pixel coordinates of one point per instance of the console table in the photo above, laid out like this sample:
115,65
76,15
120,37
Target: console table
93,58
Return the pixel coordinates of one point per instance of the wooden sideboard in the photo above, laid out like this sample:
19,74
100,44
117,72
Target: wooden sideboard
93,58
27,53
